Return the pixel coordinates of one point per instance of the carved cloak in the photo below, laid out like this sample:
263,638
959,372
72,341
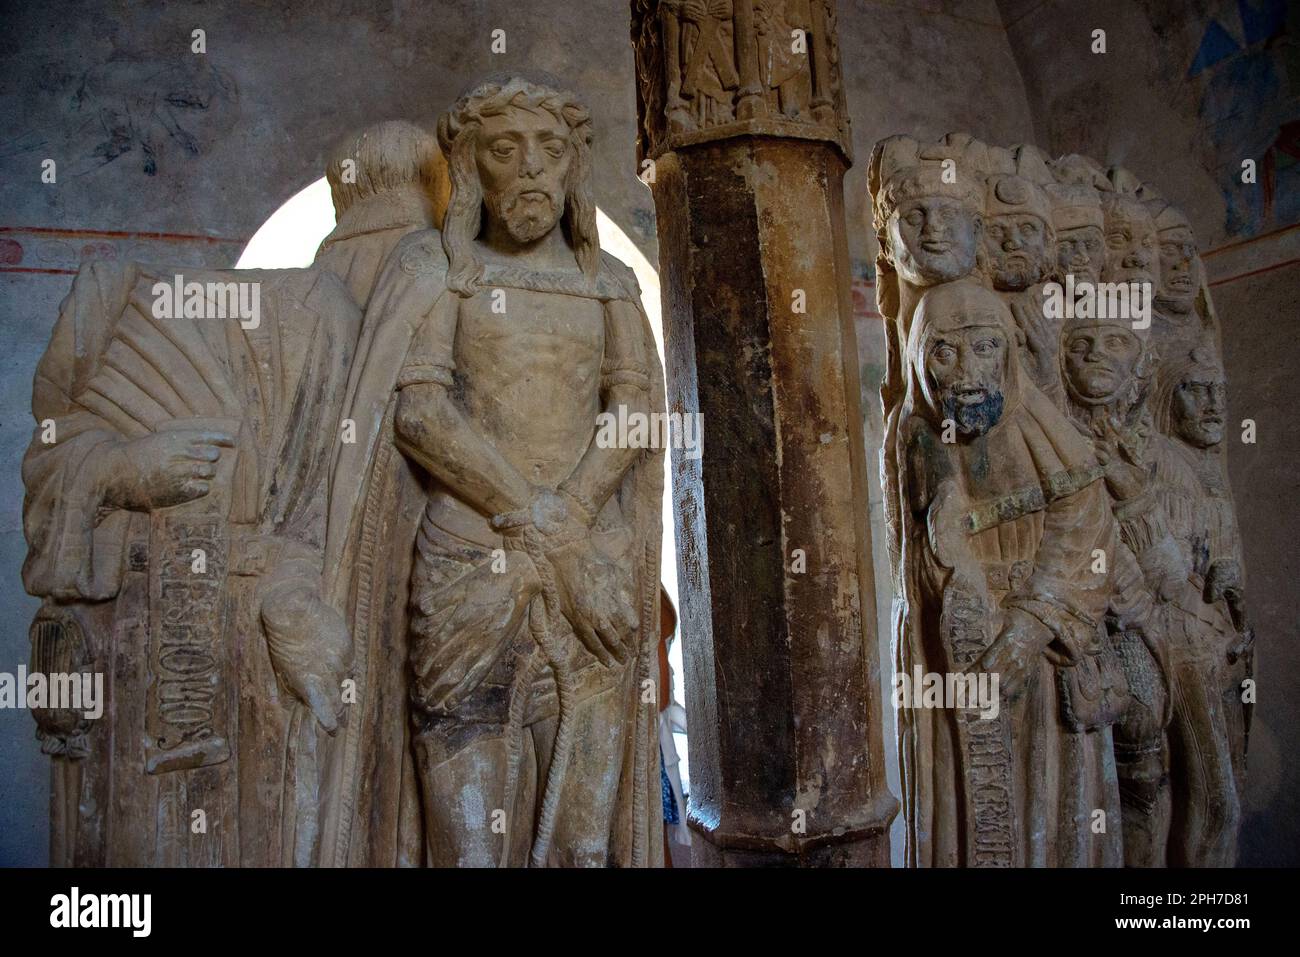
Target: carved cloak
373,810
1022,509
357,248
196,718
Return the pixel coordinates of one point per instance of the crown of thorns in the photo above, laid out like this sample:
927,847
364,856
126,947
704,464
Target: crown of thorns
498,93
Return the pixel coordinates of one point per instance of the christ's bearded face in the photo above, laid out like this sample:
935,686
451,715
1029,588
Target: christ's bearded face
1101,360
523,160
966,366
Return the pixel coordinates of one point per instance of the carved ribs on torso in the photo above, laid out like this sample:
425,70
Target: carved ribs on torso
531,376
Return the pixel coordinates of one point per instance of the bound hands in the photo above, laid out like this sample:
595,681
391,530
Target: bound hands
594,593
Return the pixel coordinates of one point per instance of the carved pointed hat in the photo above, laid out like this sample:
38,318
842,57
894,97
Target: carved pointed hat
902,169
1009,194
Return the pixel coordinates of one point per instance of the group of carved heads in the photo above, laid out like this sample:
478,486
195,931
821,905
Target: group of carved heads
1012,221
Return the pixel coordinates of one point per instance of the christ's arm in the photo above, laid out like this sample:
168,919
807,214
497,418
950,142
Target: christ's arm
432,429
627,384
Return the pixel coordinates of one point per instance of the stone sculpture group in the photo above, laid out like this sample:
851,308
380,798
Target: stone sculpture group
1058,512
366,592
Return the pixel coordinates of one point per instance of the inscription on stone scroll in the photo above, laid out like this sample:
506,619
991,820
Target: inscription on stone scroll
186,712
985,743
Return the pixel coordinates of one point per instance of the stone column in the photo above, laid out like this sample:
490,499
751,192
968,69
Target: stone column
774,547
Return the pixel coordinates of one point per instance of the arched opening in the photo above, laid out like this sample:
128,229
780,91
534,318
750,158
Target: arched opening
289,239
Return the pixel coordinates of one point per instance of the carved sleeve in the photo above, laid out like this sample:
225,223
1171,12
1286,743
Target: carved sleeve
625,363
431,359
1064,588
75,549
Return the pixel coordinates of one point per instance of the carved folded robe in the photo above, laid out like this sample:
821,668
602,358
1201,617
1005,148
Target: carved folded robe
1207,737
357,248
1022,510
386,515
165,604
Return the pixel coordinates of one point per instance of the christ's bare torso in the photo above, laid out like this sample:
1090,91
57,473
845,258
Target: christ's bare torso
531,376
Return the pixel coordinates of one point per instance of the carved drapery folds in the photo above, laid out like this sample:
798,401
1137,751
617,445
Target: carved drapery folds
711,69
365,587
1058,512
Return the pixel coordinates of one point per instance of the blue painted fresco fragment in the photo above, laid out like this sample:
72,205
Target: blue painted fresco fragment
1216,45
1262,19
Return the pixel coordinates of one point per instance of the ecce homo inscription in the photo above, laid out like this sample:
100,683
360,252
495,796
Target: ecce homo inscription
364,587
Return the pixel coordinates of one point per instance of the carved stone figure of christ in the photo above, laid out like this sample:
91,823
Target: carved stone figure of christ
529,623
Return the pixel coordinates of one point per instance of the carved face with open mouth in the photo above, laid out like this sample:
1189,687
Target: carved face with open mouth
1131,241
965,366
1200,408
1178,271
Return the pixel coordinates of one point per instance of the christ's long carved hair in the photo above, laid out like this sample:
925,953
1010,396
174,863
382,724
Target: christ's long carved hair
458,134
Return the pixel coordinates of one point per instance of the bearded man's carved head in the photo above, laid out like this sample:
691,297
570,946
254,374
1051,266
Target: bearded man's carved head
519,151
1191,401
963,351
1019,242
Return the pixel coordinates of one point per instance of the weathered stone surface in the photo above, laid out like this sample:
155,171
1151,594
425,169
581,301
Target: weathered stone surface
175,517
716,69
498,565
773,546
386,181
400,610
1059,513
